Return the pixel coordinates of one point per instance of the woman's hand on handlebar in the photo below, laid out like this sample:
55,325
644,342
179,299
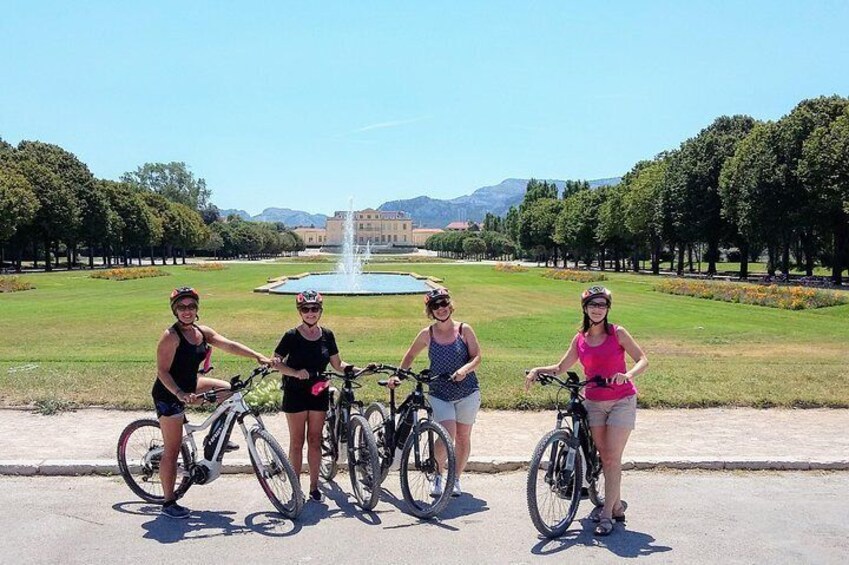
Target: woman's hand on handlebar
530,377
393,381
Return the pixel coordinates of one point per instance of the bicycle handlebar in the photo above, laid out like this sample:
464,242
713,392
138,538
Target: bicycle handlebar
573,382
236,384
425,376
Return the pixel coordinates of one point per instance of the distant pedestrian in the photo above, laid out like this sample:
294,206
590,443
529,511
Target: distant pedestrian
181,350
600,347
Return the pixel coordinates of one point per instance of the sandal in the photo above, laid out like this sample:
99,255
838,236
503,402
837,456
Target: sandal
605,526
595,516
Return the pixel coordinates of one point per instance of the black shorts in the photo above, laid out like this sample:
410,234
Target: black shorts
302,399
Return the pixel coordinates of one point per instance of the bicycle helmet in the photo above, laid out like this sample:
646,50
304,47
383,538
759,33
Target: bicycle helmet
308,297
595,291
184,292
436,294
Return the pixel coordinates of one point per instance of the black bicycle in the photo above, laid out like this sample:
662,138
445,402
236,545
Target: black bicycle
140,449
351,430
420,439
556,473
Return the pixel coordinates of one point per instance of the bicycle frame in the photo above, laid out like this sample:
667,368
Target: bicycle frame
341,410
206,470
409,408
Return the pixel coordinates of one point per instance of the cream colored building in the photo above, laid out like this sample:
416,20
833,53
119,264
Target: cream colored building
313,237
420,235
376,227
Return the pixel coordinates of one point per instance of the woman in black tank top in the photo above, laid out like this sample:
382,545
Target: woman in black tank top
179,354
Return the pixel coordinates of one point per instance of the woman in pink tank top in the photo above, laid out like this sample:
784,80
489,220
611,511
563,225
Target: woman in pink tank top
600,347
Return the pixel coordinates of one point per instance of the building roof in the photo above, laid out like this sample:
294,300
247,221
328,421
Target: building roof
460,226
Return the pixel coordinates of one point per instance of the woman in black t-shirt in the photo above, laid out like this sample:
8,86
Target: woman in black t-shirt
304,352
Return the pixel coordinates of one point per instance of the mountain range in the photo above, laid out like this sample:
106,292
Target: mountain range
428,212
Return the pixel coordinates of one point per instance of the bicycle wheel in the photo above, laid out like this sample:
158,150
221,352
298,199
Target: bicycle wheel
140,448
329,452
595,484
377,417
417,479
553,491
275,474
363,463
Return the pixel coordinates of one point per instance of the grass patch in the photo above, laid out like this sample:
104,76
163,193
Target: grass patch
126,274
207,267
510,268
773,296
51,406
573,275
86,343
14,284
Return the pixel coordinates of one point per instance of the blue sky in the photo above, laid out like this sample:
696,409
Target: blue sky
305,104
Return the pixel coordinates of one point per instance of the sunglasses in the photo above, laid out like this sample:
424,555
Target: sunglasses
306,309
440,304
185,307
598,305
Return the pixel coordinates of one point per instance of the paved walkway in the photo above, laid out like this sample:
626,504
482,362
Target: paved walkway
719,438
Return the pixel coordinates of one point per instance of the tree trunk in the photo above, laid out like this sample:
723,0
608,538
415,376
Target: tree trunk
690,258
744,260
785,259
713,256
680,270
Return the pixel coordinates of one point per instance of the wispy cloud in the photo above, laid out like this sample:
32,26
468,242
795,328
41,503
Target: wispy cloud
386,125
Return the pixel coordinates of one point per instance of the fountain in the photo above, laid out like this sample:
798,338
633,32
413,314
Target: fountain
349,277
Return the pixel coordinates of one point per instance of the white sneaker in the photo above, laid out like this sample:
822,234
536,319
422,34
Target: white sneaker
456,491
436,486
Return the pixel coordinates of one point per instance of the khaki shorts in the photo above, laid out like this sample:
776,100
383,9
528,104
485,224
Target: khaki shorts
621,413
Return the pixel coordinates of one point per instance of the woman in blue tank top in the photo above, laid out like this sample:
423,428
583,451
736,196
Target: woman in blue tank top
453,351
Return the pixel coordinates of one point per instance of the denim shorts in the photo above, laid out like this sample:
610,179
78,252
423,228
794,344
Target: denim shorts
169,408
463,411
621,413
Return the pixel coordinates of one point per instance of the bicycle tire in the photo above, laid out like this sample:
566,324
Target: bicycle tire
139,451
561,492
377,417
595,486
329,465
363,463
288,501
416,490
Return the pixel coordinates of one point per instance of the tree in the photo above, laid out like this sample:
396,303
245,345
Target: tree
474,247
642,204
536,226
172,180
793,130
824,169
692,184
611,231
575,226
18,205
753,196
51,173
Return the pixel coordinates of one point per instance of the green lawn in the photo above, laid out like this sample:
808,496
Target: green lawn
86,341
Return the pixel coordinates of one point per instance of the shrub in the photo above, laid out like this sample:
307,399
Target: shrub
14,284
773,296
510,268
573,275
129,273
207,267
266,396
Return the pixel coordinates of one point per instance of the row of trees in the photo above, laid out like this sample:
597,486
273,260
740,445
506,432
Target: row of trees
52,206
741,185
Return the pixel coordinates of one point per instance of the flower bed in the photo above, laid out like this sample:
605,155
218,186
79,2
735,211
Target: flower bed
573,275
14,284
207,267
773,296
510,268
129,273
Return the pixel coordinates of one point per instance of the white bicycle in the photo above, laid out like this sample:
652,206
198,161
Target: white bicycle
140,448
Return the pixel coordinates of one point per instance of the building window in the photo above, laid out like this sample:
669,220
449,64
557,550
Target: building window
361,226
395,237
405,238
